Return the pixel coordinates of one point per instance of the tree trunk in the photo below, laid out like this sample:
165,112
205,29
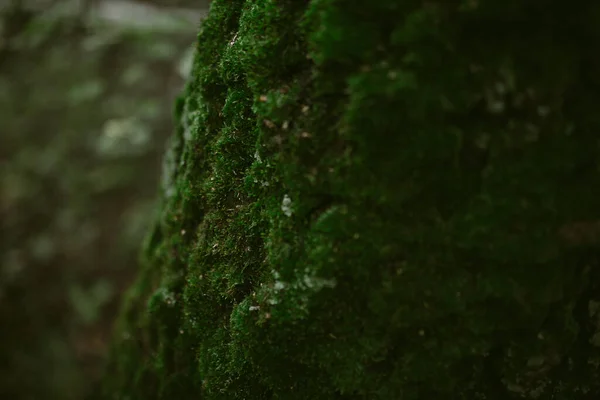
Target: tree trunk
377,200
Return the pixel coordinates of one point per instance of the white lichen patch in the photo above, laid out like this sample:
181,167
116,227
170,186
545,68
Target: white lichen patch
286,206
300,289
316,283
167,296
234,40
170,299
278,285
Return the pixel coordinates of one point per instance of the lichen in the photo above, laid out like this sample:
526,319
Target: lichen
373,195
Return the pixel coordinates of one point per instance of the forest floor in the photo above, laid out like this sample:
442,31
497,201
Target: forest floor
86,94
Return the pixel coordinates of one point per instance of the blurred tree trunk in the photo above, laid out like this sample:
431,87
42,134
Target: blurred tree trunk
376,200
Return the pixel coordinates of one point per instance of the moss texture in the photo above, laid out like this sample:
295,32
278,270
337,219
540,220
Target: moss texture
377,200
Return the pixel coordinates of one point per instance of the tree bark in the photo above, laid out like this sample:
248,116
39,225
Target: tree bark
376,200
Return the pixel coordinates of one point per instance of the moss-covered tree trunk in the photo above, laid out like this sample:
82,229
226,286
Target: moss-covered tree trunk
384,199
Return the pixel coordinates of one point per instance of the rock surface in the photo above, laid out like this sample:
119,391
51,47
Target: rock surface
376,200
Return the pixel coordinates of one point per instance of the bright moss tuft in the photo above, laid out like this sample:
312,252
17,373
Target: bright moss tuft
377,200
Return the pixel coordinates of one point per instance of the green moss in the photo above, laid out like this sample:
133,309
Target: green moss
376,200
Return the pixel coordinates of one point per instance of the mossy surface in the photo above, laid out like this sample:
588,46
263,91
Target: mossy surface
377,200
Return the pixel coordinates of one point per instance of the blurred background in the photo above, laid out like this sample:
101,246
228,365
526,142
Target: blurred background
86,95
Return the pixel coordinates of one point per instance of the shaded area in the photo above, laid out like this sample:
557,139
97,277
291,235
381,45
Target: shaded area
85,107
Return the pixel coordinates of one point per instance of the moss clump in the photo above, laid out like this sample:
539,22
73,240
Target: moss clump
377,200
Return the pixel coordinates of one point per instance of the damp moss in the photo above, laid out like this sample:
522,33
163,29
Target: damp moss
376,200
